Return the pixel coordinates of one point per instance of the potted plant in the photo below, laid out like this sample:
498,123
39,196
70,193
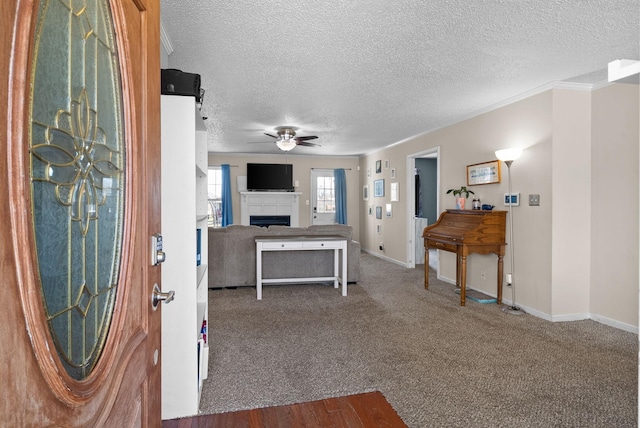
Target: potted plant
460,199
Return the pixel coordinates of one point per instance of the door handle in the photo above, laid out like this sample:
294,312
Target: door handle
158,296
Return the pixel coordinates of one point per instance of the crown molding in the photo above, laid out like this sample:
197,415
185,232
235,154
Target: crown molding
165,40
572,86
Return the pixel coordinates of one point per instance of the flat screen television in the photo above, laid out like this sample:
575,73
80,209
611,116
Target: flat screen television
269,177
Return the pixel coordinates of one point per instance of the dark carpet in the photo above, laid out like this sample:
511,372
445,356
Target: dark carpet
438,364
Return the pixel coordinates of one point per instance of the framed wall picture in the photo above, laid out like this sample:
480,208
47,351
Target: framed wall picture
370,210
378,166
386,164
378,188
378,212
393,173
365,192
388,210
394,191
483,173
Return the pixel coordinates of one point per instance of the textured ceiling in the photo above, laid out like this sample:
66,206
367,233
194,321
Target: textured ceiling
365,74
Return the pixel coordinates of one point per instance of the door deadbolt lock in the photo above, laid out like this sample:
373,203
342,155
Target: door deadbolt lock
157,254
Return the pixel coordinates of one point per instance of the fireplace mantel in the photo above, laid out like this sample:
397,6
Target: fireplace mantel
270,203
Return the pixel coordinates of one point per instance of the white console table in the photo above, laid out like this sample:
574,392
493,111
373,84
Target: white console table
303,243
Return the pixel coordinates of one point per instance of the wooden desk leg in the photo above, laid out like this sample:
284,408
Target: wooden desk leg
500,276
426,268
458,270
463,279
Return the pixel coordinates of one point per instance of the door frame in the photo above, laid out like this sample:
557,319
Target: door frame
313,193
411,204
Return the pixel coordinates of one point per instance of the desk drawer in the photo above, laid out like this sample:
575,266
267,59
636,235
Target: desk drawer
281,245
322,244
441,245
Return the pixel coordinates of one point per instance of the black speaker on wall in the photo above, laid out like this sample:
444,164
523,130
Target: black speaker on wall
177,82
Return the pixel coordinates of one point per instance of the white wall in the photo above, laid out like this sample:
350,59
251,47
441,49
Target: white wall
614,203
525,124
571,222
576,255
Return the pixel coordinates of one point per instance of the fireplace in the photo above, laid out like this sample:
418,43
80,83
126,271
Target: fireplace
265,208
269,220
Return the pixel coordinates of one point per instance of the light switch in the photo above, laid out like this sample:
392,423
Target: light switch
514,200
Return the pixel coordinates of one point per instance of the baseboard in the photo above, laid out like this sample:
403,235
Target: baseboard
613,323
558,318
382,256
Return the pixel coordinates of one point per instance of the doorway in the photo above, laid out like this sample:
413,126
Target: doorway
323,197
423,201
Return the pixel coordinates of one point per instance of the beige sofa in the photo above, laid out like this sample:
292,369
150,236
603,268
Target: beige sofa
232,255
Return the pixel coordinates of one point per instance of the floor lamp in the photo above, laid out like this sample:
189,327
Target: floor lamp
508,156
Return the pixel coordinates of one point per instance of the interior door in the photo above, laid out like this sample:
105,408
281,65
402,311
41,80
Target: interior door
81,184
323,196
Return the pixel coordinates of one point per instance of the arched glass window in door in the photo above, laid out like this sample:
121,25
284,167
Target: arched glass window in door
77,151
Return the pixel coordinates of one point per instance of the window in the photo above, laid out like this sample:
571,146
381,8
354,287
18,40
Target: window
326,202
215,196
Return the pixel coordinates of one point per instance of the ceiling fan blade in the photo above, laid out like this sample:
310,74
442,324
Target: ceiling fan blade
260,142
272,136
304,143
307,137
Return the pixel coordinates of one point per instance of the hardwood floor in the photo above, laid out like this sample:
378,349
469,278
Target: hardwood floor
370,409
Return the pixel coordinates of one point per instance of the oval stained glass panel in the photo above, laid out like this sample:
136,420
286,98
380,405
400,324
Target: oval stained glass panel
77,154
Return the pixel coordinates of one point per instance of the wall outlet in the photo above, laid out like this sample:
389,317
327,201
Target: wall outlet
534,200
483,275
381,246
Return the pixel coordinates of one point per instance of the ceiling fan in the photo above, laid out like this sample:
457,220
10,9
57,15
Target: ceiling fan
286,139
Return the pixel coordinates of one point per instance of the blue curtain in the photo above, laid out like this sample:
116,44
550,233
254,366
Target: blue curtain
227,210
340,180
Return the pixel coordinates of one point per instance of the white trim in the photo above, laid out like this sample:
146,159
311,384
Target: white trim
165,40
587,87
410,185
556,318
381,256
614,323
573,86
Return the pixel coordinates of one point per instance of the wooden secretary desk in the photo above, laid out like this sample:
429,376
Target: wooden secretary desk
467,232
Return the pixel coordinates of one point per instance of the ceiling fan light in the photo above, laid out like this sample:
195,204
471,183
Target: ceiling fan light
286,145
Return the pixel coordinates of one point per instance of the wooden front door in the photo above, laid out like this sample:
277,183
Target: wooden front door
80,173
